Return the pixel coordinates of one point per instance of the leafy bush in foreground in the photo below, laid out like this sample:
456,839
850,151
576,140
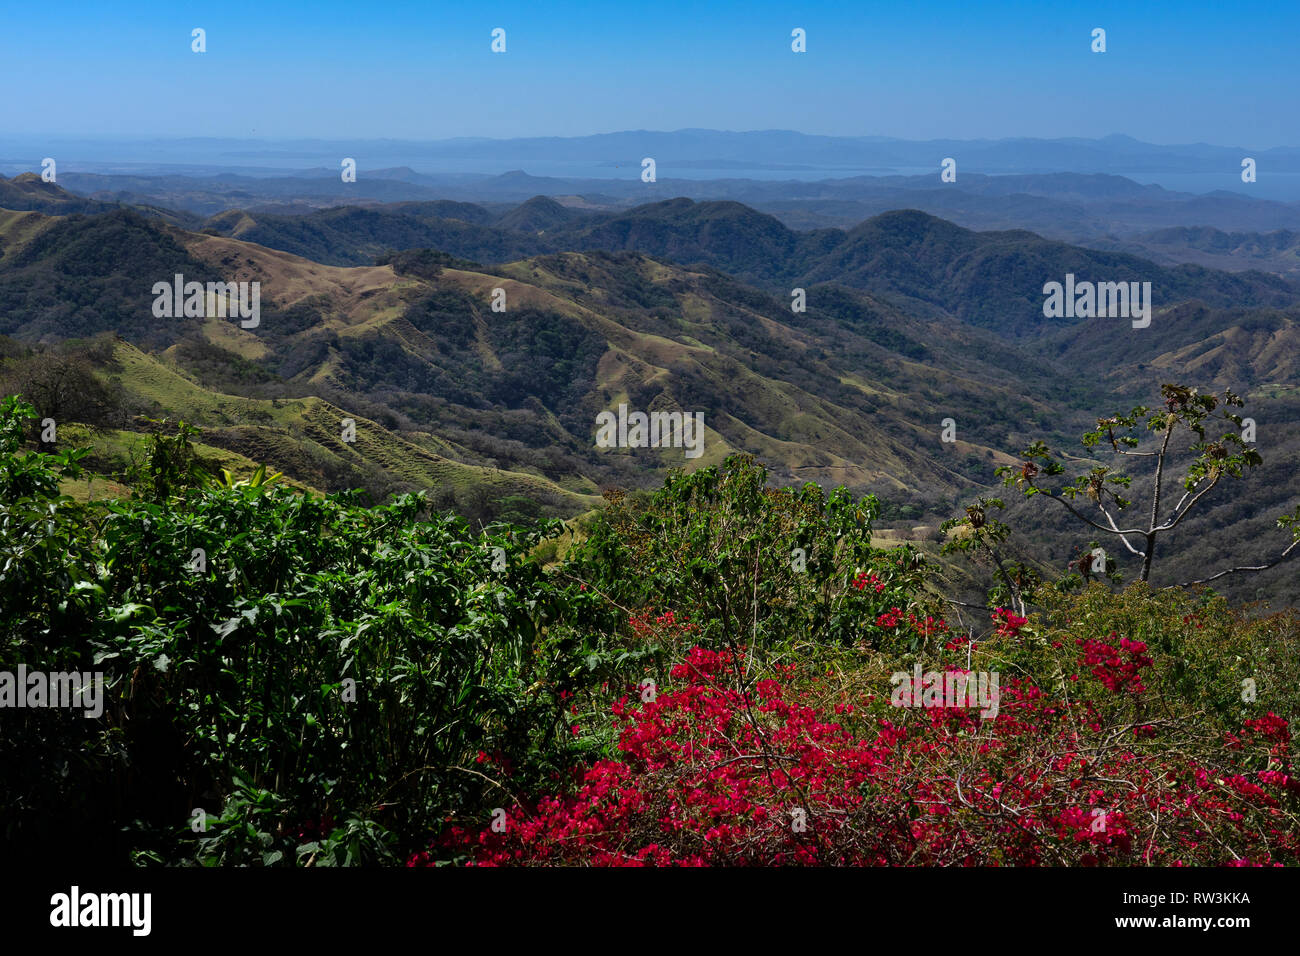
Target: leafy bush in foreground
273,659
335,684
767,568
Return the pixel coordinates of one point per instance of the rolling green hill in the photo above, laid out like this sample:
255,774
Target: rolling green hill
910,321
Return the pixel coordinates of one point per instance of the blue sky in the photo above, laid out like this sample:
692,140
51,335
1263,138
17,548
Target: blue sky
1173,73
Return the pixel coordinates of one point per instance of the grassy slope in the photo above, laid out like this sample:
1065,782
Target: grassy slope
284,433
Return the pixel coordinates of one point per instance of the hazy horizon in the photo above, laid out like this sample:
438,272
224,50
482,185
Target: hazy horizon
684,154
427,72
160,137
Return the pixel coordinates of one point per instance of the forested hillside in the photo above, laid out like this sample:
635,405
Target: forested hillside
907,322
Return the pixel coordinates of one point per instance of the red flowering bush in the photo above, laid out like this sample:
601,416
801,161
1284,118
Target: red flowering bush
1116,668
672,631
890,618
736,709
1008,624
864,580
716,771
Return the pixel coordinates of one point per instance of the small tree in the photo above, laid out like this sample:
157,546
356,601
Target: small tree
63,385
166,465
1217,451
981,537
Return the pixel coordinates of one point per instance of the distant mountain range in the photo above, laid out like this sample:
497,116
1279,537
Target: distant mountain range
783,151
1100,210
760,249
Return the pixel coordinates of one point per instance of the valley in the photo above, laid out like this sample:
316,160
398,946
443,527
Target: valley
677,307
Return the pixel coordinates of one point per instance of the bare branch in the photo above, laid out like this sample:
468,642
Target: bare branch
1122,537
1085,519
1258,567
1190,505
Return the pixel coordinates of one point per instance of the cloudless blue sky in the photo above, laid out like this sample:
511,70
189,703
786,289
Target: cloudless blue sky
1213,72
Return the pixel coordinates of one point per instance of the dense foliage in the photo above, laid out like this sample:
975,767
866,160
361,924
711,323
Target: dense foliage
273,659
703,679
